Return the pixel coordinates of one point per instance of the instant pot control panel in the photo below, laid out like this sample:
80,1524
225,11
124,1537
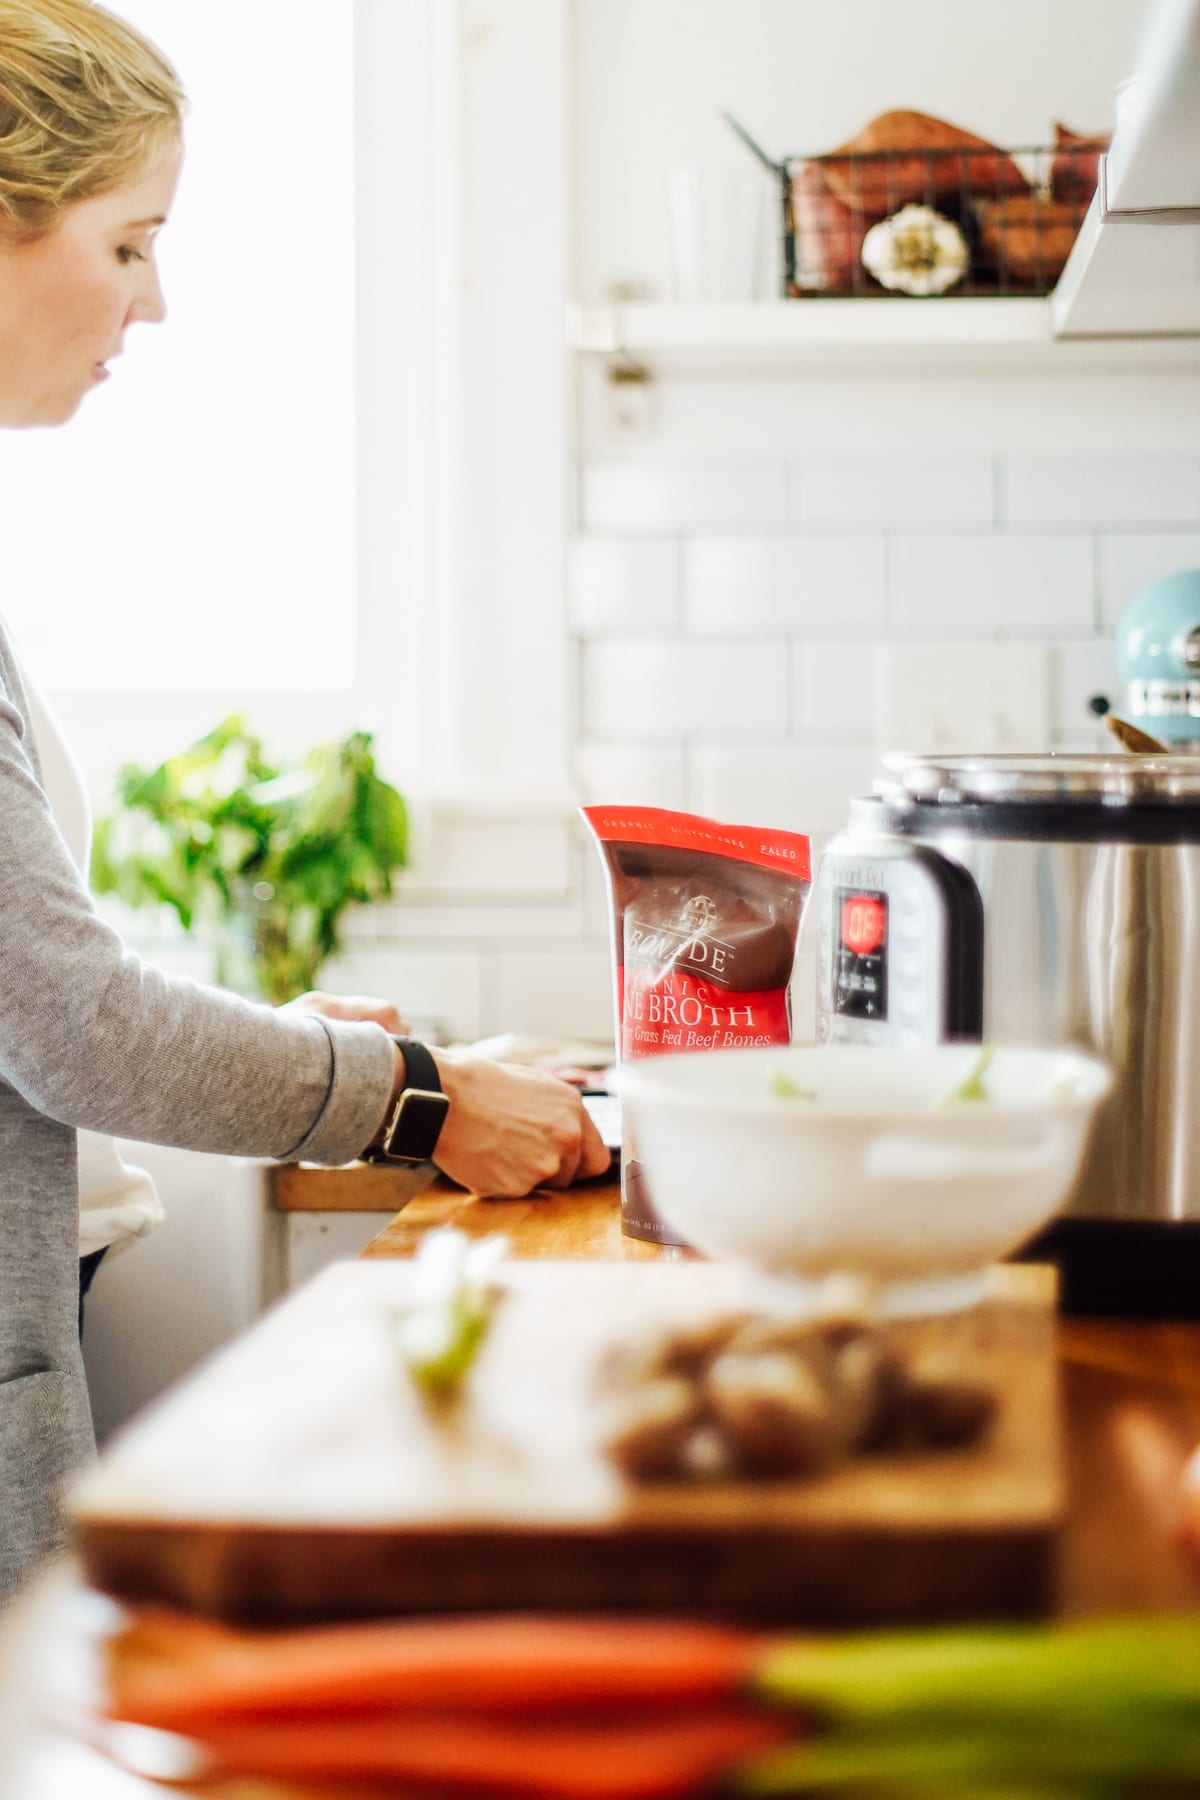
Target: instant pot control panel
899,945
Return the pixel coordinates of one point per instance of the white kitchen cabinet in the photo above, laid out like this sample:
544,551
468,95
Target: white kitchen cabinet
162,1303
1135,267
221,1255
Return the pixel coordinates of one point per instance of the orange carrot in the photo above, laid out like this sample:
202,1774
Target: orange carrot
175,1671
1186,1510
664,1758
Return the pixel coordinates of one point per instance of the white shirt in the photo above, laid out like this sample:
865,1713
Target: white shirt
117,1202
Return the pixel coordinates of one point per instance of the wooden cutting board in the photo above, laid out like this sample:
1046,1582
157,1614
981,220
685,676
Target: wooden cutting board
297,1476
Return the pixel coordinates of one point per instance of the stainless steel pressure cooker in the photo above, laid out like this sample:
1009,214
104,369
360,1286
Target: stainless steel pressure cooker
1043,900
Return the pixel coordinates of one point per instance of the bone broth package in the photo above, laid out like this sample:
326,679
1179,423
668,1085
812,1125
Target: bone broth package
704,919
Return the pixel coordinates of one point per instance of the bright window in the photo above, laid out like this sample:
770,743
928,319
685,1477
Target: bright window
193,528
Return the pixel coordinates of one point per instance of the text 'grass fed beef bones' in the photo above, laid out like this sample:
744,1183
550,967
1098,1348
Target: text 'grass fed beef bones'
704,921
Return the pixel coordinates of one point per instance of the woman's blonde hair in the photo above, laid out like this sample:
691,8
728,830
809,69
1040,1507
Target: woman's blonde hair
84,99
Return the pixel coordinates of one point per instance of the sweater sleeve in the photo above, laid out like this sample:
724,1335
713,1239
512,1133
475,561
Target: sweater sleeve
95,1037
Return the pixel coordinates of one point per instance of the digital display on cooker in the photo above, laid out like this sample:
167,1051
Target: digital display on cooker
860,981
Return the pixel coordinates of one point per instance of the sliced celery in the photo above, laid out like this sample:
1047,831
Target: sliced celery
785,1088
971,1087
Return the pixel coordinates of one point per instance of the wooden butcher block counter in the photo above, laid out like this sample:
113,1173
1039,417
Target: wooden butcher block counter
295,1477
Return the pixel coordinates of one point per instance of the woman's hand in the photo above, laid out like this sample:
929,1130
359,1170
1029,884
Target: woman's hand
510,1130
355,1007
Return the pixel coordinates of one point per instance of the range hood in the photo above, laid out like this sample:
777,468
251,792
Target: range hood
1134,270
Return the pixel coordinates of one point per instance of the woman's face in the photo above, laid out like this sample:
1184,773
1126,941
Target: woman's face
67,298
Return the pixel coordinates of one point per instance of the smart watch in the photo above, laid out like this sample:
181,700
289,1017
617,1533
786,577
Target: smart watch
412,1128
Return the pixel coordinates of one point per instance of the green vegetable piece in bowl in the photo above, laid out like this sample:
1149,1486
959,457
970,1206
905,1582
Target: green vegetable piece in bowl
785,1088
971,1088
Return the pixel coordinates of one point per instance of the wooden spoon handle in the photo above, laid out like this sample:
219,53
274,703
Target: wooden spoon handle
1132,737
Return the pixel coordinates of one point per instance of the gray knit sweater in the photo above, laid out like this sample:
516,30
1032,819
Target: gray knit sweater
92,1036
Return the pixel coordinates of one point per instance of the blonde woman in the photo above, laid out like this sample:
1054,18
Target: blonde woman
91,1037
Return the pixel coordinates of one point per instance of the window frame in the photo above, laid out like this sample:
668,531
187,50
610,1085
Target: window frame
487,522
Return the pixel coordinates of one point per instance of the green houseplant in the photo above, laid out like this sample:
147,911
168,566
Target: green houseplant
265,859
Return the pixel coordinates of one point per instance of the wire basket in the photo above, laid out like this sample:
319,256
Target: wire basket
905,223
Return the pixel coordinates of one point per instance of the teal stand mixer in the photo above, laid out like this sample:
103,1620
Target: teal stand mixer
1158,661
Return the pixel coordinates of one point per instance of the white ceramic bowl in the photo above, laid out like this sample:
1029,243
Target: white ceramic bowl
876,1175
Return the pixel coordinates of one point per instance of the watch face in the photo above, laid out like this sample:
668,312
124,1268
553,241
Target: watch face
418,1123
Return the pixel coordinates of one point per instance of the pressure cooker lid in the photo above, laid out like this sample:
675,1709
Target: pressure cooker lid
1069,779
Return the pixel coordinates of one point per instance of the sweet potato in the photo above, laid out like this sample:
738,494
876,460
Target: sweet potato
829,237
927,159
1076,166
1027,239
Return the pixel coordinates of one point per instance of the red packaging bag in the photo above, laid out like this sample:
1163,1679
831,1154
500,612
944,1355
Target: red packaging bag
704,920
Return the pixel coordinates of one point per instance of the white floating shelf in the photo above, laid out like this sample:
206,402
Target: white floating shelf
815,333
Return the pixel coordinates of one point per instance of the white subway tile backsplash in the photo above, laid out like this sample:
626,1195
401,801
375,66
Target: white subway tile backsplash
833,689
476,855
839,413
962,696
434,986
1079,670
819,583
630,774
468,920
1110,490
682,497
619,585
193,956
594,889
804,990
925,491
993,584
1091,741
360,924
1130,561
560,994
794,787
644,690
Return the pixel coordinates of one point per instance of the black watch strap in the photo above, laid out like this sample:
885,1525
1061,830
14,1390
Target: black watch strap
420,1070
414,1124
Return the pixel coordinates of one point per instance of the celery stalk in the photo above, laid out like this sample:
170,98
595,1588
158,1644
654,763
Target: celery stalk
1002,1757
885,1676
1094,1709
1024,1788
784,1088
441,1330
